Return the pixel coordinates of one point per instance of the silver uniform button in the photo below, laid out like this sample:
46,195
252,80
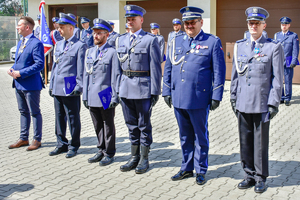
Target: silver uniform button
182,80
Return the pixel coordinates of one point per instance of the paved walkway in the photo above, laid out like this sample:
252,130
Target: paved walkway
35,175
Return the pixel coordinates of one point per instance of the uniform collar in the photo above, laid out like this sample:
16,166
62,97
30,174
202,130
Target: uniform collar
200,32
136,33
257,41
102,47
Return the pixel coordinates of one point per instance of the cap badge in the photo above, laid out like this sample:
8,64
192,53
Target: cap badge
187,9
128,7
255,10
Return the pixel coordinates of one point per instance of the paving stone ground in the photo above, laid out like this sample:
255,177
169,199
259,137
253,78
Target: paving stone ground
35,175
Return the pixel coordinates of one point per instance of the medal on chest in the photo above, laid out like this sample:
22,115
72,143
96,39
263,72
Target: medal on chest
256,50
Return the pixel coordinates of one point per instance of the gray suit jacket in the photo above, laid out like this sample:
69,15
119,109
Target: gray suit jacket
99,74
257,80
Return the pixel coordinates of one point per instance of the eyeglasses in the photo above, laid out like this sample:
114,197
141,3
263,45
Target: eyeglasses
191,23
257,23
100,33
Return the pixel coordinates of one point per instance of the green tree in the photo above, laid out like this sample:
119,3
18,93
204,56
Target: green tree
11,8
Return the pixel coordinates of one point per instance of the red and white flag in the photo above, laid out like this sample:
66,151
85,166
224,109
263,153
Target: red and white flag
45,31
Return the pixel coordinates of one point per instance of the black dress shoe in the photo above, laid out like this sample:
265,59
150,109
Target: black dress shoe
71,153
96,158
287,103
181,175
57,151
245,184
106,161
200,179
282,102
260,187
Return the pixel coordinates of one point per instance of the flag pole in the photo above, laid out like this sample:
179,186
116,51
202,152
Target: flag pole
45,71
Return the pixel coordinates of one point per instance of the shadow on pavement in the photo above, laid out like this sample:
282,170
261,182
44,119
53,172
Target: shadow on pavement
12,188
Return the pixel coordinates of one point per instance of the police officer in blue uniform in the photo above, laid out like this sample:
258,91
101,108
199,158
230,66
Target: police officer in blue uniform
98,76
138,85
86,33
177,31
28,83
67,70
154,28
38,28
256,84
290,43
111,40
55,35
193,82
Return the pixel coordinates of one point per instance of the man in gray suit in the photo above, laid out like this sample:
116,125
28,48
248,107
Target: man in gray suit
66,86
256,84
99,76
138,85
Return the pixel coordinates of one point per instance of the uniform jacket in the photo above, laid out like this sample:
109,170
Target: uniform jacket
143,55
101,76
170,37
161,43
30,62
290,44
86,36
111,40
77,32
68,63
259,82
199,77
55,36
37,31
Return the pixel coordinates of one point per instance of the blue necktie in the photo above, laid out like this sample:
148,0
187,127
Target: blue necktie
191,40
253,45
98,52
132,37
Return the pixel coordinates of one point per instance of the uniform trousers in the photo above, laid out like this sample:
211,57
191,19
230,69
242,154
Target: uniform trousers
288,83
193,133
67,109
29,104
137,114
254,145
104,125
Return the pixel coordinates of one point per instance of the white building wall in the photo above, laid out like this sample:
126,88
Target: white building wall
209,15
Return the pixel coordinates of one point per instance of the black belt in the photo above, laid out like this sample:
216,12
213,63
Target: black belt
130,73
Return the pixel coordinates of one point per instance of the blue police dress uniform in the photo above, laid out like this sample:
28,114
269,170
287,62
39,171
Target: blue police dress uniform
170,37
86,36
37,32
142,56
111,40
161,43
256,84
194,75
290,44
77,32
68,61
99,74
29,62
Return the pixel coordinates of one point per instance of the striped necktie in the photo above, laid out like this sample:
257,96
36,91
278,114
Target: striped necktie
132,37
22,46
